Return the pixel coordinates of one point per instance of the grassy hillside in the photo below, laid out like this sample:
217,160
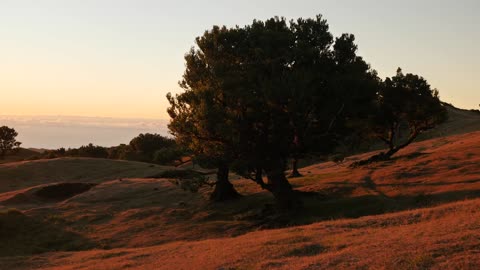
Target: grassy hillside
23,174
444,237
459,122
417,211
22,154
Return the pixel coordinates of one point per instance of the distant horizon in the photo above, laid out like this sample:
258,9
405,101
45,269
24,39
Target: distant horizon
110,60
42,131
119,58
53,132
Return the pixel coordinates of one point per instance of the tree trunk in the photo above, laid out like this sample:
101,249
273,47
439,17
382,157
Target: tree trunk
224,190
259,179
295,172
391,152
259,175
394,150
281,189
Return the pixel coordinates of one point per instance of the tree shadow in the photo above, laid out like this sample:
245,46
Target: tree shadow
410,156
24,235
419,183
355,207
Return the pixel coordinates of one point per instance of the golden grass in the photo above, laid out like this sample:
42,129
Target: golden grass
444,237
25,235
418,211
23,174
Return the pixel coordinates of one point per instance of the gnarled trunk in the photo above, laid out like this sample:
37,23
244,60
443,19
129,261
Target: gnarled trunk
395,149
259,175
281,189
295,172
224,190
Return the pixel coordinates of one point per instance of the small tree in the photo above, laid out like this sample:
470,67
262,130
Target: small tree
93,151
168,155
405,102
145,145
122,152
8,143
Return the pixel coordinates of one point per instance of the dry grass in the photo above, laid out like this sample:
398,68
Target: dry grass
23,174
418,211
459,122
445,237
22,154
25,235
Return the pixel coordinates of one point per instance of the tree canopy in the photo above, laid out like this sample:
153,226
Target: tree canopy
257,96
145,145
263,93
8,142
405,102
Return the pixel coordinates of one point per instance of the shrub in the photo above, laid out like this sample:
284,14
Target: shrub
167,155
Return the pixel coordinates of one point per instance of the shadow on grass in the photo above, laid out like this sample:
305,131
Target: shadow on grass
22,235
335,202
355,207
370,184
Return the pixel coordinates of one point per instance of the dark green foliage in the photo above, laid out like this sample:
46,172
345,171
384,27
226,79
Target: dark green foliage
405,103
8,143
91,150
267,92
188,180
145,145
168,155
122,152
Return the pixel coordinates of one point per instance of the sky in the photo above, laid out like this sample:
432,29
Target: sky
119,58
53,132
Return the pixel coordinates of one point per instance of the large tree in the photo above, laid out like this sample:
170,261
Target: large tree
336,98
8,142
262,94
407,106
203,116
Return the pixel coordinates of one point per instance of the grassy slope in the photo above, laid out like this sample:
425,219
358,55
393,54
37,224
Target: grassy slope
151,223
445,237
24,174
22,154
459,122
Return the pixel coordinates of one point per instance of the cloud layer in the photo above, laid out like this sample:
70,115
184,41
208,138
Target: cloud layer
52,132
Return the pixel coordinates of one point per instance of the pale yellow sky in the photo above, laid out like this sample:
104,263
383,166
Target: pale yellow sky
120,58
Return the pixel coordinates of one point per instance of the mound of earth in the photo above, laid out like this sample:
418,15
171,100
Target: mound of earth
45,193
62,191
24,235
25,174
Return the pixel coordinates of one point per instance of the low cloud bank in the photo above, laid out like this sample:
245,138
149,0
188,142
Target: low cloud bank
53,132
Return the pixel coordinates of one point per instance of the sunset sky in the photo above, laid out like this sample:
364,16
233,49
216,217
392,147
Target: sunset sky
118,58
